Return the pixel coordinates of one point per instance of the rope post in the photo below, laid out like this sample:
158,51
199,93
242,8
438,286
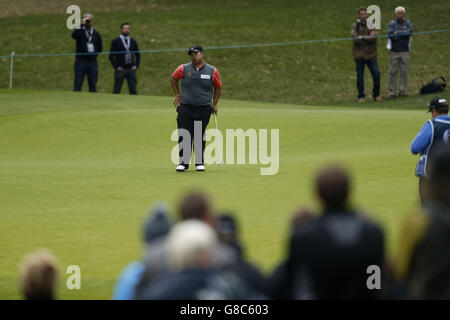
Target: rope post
11,71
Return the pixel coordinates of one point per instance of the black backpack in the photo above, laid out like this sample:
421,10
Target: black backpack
434,86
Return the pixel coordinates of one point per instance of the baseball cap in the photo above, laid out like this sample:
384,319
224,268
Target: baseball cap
195,49
438,103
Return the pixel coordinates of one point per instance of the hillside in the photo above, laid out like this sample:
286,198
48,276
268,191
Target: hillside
315,73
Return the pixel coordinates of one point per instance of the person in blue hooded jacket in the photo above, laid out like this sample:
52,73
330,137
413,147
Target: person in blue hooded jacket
434,133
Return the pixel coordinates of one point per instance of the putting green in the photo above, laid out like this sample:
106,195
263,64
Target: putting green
79,172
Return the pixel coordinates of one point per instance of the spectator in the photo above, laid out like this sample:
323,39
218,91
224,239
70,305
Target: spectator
127,63
423,265
399,45
278,285
228,234
194,206
197,206
433,133
329,255
191,247
155,231
88,46
39,275
365,53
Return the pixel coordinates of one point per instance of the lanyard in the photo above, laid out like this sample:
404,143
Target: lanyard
89,34
127,47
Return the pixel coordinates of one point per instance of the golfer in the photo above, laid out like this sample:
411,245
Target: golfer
200,86
434,133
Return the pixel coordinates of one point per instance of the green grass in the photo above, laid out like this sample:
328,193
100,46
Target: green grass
312,74
79,172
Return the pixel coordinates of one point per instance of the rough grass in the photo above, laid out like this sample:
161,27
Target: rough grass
322,73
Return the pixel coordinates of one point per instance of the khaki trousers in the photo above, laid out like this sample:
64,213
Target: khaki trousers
398,65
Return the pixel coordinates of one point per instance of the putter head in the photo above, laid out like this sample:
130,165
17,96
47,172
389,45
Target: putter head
219,162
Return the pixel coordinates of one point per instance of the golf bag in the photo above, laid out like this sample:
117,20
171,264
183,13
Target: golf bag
434,86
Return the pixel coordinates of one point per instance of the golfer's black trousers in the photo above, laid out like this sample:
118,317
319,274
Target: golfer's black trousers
187,115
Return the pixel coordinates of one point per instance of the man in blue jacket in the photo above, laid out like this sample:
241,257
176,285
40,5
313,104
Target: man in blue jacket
399,44
434,133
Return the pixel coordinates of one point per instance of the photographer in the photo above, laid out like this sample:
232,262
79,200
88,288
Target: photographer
88,45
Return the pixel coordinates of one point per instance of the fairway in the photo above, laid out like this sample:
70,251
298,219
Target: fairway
79,172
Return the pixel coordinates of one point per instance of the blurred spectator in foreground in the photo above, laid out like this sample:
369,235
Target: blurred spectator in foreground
365,53
227,231
278,285
329,255
194,206
423,265
191,248
39,275
155,232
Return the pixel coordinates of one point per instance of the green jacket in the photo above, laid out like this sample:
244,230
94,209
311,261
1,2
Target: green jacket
363,49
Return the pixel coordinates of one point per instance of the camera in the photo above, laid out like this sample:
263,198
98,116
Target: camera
87,20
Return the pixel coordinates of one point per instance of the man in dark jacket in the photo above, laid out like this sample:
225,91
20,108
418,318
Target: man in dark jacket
329,256
365,53
88,46
125,64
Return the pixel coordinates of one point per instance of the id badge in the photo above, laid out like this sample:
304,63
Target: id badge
90,47
128,58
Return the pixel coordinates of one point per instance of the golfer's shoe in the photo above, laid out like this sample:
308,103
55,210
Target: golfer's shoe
181,168
200,167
